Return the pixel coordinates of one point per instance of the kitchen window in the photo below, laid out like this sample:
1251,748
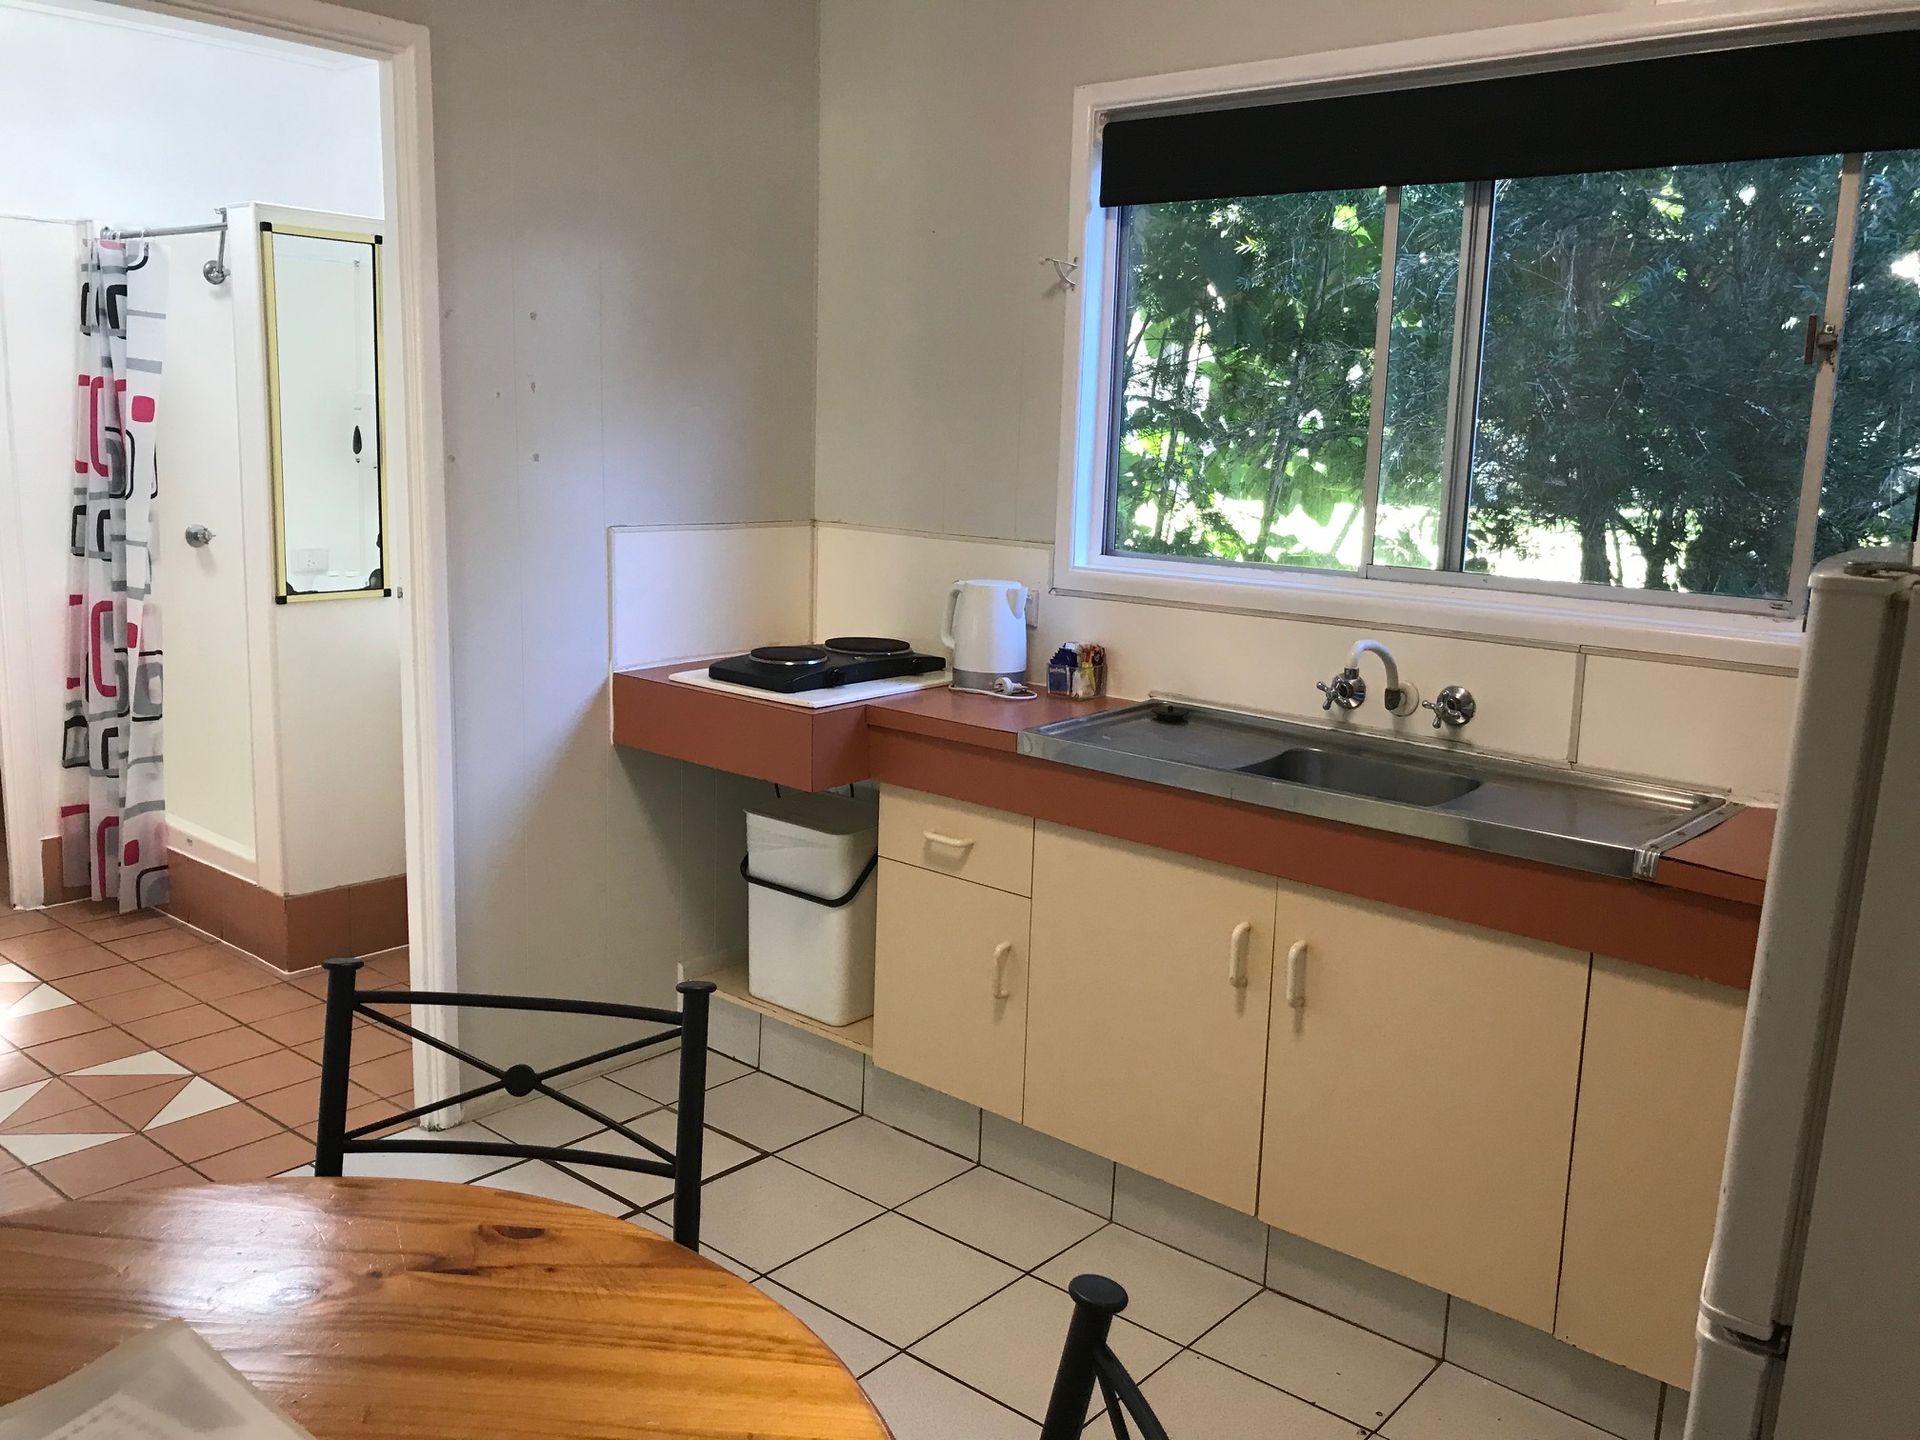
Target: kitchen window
1678,383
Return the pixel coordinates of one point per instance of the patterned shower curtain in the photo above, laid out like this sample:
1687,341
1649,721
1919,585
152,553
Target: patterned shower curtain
113,826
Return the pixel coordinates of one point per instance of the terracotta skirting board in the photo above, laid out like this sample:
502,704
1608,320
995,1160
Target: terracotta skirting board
1699,916
291,932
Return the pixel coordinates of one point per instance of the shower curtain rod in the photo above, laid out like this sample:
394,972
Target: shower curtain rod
162,230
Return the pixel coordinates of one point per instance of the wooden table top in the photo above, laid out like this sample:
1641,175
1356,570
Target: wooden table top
376,1308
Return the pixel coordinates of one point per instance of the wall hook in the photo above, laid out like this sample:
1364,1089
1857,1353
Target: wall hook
1063,271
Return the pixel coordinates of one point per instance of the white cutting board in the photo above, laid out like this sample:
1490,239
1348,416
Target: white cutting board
818,699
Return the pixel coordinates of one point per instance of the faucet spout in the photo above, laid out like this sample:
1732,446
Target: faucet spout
1399,699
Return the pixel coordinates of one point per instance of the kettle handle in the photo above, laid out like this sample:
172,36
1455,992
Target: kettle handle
946,621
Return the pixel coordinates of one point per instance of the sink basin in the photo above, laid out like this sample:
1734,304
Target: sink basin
1364,775
1432,790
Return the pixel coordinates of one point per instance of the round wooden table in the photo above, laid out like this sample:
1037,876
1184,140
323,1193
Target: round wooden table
409,1308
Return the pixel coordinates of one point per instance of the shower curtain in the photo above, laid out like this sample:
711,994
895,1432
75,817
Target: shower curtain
113,827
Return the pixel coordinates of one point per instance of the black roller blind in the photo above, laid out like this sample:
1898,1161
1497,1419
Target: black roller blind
1807,97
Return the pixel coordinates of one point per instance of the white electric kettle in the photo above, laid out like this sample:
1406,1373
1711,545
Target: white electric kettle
985,630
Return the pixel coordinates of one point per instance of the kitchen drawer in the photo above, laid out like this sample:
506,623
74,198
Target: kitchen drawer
950,837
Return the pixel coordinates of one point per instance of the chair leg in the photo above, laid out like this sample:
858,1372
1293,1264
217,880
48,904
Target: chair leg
695,998
336,1047
1096,1300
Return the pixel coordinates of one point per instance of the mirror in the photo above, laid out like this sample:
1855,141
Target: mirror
326,430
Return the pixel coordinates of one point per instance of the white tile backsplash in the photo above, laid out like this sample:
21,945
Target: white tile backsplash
1722,728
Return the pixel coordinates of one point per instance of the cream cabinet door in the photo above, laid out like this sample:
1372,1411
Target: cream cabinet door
1656,1094
1420,1097
950,986
1147,1023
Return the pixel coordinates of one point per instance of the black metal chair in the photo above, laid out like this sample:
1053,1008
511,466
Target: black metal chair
688,1024
1087,1360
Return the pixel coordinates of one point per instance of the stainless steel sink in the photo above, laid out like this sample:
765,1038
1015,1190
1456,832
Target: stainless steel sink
1363,775
1606,824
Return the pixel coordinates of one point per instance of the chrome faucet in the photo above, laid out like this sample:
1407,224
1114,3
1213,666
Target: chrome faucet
1454,706
1349,691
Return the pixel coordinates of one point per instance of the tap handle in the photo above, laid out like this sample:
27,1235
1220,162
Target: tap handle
1454,706
1347,690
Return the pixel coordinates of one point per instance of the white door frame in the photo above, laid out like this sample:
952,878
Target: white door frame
426,695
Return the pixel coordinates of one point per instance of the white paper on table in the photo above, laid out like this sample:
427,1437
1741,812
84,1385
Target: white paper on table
164,1384
822,699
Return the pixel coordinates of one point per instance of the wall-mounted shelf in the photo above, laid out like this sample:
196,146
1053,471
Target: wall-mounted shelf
732,983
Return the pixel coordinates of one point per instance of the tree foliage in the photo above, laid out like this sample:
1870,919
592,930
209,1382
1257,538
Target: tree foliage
1643,408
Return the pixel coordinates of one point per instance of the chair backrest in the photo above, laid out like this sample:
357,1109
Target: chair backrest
346,1002
1087,1361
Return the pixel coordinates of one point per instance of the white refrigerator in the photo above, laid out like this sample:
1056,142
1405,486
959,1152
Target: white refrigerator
1810,1315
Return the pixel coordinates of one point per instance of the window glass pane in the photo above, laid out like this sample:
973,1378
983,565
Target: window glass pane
1246,361
1413,442
1873,461
1643,404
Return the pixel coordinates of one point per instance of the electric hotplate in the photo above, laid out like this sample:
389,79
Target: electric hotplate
843,660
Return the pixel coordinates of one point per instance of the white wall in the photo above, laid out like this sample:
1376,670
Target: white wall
106,114
944,159
626,200
39,356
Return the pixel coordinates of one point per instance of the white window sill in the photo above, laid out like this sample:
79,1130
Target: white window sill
1507,616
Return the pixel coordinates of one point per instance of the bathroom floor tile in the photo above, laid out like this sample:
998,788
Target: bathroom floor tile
616,1102
1168,1292
659,1076
718,1154
187,1023
259,1159
1009,1345
1193,1395
1022,1226
428,1165
876,1161
858,1351
274,1070
249,1006
1455,1404
1306,1352
205,1053
947,1278
154,999
769,1212
659,1226
769,1113
213,1132
101,1167
919,1403
540,1120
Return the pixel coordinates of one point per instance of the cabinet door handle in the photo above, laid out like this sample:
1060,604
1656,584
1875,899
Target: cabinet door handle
1002,958
948,842
1237,955
1297,975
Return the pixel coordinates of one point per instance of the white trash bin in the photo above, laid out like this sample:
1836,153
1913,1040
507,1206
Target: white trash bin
810,889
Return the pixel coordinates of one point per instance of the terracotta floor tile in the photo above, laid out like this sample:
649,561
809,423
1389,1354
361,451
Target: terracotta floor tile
75,960
295,1026
177,1025
261,1159
118,1161
223,1047
26,1031
54,1098
314,982
370,1042
393,964
107,980
213,984
193,960
17,1069
63,1057
83,1119
273,1071
388,1075
101,1088
298,1104
22,1190
161,1180
360,1115
255,1005
25,922
155,999
214,1132
38,944
79,912
167,941
137,1107
123,927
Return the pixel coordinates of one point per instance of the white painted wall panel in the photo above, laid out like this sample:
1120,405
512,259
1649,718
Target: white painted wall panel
1721,728
687,593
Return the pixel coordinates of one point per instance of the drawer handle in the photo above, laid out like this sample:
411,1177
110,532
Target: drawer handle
948,842
1237,955
1297,975
1002,958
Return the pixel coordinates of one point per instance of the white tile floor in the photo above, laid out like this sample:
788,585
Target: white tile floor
941,1282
